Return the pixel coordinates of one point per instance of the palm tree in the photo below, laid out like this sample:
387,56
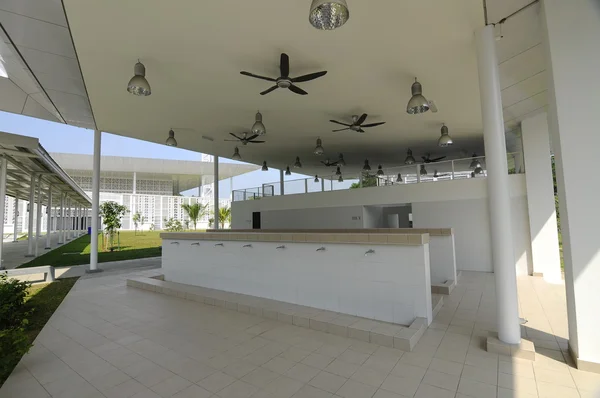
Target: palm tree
194,211
224,216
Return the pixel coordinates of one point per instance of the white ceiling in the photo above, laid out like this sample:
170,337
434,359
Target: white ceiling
193,52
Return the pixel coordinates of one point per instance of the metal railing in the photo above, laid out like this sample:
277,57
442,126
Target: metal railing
456,169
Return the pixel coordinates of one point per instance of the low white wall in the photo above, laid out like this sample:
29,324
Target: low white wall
464,208
339,217
442,259
392,285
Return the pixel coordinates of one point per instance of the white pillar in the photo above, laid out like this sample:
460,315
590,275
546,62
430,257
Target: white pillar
30,215
49,218
16,215
540,198
61,221
281,183
509,330
3,166
38,219
69,220
95,202
216,191
570,33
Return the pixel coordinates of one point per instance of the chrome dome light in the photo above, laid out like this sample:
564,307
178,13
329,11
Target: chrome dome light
297,164
475,162
399,179
258,127
423,170
366,167
445,140
409,158
287,171
379,170
236,154
338,172
138,85
264,166
417,103
328,14
341,179
478,170
319,148
316,178
171,141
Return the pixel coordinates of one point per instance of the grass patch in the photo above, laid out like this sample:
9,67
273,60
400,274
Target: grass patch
141,245
42,301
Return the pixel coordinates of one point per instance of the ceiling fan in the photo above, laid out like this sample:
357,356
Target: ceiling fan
357,124
245,140
327,163
438,175
427,159
284,81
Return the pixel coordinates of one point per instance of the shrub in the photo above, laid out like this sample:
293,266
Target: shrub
14,342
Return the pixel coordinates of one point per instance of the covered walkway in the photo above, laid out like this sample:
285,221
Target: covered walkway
109,340
14,253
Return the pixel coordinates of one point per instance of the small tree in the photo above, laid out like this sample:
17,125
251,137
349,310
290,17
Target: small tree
173,225
137,219
224,216
195,211
112,213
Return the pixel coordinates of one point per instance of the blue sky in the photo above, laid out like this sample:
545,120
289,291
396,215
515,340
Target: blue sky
56,137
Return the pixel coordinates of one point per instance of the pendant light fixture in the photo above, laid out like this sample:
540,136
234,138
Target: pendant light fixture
287,171
366,167
319,148
171,141
478,170
138,85
399,178
264,166
475,162
423,170
445,140
297,164
341,160
236,154
417,103
409,158
316,178
338,172
341,179
328,14
379,170
258,127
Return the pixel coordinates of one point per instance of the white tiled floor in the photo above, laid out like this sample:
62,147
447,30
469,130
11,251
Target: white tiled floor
108,340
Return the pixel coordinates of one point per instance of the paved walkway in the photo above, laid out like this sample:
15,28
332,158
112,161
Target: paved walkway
13,253
110,341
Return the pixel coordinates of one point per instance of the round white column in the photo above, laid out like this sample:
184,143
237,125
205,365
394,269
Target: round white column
509,330
30,215
95,202
49,218
216,191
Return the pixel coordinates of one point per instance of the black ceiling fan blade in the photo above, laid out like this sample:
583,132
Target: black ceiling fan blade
361,130
372,124
343,124
437,159
232,140
284,65
258,77
361,119
424,158
309,77
256,142
239,138
335,131
297,90
252,137
325,163
269,90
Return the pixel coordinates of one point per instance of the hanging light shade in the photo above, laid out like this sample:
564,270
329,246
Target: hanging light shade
340,179
328,14
478,170
366,167
264,166
297,164
399,179
338,172
171,141
379,170
258,127
287,171
423,170
417,103
138,85
435,174
316,178
236,154
409,158
341,160
475,162
445,140
319,148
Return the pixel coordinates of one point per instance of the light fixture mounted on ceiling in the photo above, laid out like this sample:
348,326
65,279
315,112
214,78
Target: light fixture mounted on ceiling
287,171
410,159
366,166
316,178
399,179
138,85
423,170
258,127
341,160
236,154
264,166
417,103
475,162
379,170
341,179
445,140
297,163
338,172
171,141
328,14
319,148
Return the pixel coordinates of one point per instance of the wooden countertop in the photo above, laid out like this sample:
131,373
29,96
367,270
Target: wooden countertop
409,231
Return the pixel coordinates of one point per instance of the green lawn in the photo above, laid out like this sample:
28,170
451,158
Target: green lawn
42,301
132,245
